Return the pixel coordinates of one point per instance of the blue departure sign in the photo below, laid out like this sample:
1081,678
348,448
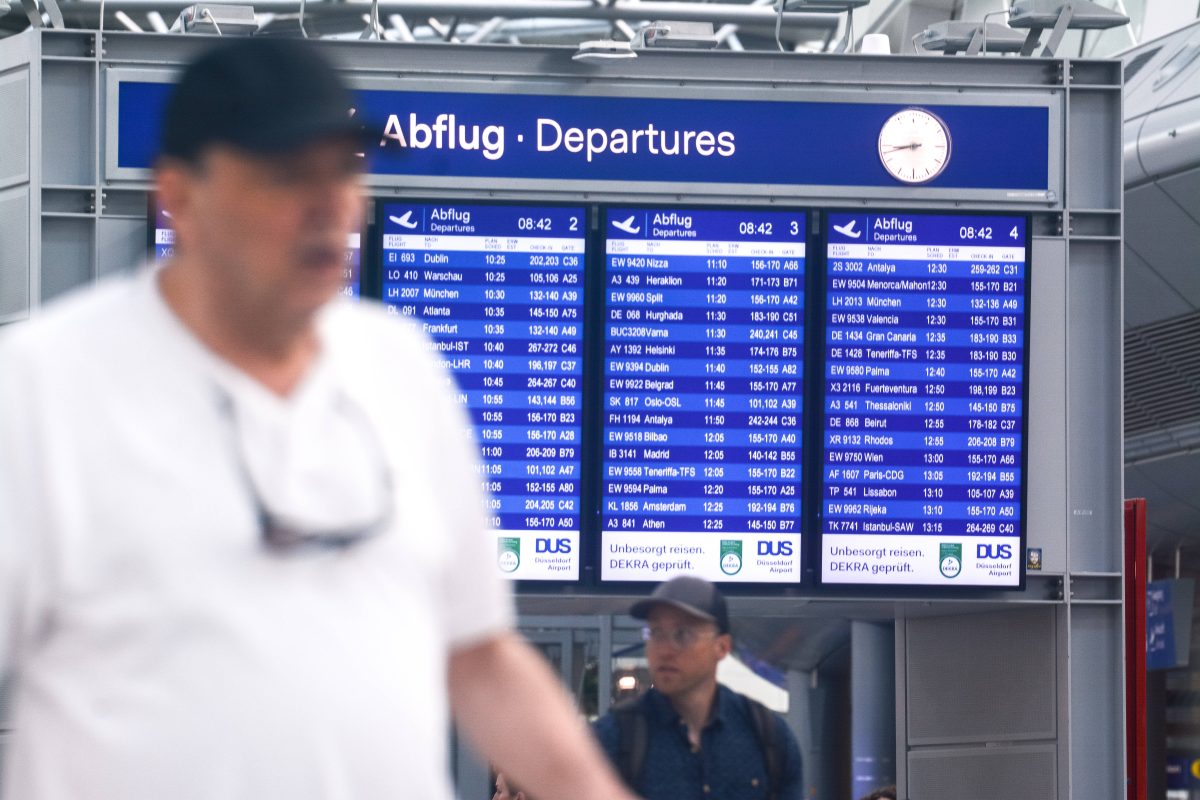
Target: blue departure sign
499,289
703,384
924,399
654,139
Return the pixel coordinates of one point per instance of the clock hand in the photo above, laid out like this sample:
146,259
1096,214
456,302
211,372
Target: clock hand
912,146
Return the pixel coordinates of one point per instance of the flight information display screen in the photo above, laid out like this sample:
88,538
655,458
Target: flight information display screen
500,290
162,247
923,428
702,403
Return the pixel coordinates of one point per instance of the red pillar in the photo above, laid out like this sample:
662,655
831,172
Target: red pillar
1135,648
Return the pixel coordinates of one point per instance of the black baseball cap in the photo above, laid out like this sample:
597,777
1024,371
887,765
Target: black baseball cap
260,95
689,594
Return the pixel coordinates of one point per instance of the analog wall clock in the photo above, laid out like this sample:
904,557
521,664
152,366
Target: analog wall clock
914,146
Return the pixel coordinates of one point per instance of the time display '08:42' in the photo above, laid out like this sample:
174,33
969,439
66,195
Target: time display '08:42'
546,224
756,228
984,233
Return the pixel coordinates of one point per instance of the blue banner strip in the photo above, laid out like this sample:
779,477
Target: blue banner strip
550,137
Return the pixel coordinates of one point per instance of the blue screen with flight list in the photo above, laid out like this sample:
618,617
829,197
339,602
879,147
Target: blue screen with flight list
702,394
923,432
499,290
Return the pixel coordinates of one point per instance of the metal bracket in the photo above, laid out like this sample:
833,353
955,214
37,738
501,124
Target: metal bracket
35,14
1060,28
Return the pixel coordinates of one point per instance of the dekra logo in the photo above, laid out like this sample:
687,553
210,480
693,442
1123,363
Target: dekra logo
993,551
552,546
774,548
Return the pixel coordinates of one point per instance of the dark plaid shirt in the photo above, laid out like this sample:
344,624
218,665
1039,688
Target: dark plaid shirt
729,764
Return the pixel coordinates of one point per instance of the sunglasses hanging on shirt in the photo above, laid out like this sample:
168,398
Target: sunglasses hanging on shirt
281,533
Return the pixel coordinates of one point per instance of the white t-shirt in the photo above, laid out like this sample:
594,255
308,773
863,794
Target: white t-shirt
160,651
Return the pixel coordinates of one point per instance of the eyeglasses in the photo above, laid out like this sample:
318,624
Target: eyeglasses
283,535
683,638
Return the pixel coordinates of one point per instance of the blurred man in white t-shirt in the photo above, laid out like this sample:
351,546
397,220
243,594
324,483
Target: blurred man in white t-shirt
242,547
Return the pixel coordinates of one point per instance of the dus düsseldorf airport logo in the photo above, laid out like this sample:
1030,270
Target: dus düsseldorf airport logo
950,559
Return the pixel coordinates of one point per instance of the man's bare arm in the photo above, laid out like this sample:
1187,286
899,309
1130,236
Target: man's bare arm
514,711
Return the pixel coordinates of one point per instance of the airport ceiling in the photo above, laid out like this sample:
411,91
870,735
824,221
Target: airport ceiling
815,25
1162,291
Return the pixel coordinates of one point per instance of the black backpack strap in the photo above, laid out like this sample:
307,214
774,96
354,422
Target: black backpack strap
766,727
633,738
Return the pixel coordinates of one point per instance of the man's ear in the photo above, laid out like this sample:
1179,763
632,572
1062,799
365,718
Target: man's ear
724,645
175,183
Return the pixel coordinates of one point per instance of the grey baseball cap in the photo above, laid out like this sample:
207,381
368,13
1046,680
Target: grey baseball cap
689,594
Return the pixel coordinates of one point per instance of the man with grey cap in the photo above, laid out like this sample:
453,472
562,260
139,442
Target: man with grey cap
688,737
242,546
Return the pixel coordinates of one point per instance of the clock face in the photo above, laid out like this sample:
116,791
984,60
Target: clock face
914,146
